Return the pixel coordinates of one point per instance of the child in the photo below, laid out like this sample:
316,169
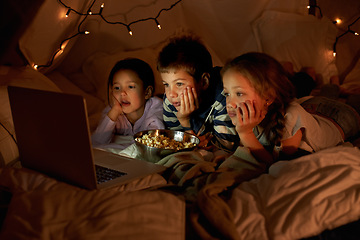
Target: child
261,104
132,108
193,99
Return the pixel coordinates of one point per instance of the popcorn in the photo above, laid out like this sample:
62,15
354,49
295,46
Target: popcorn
161,141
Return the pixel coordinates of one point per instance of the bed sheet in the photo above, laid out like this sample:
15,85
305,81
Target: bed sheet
294,199
224,196
43,208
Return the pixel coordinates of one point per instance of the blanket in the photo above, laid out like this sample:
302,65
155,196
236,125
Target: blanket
236,197
44,208
292,200
218,196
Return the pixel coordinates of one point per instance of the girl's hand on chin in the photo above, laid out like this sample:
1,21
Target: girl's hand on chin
247,117
116,106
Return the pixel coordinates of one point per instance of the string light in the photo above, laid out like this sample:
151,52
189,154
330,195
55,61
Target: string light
343,34
157,23
316,6
59,51
129,30
67,13
337,21
100,13
101,8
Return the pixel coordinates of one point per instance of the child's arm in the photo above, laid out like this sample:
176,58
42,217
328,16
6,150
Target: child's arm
247,118
291,145
247,121
105,129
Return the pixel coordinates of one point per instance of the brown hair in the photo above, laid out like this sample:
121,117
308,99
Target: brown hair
267,76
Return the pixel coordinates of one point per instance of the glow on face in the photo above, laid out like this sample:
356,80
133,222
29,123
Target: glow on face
129,91
175,82
237,89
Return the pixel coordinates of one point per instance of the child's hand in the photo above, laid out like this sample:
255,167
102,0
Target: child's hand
204,140
188,104
116,109
248,115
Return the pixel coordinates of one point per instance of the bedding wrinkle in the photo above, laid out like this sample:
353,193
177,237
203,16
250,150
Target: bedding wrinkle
303,197
249,215
314,197
232,197
62,211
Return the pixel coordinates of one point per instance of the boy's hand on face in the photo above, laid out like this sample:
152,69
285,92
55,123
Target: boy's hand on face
248,115
188,104
116,109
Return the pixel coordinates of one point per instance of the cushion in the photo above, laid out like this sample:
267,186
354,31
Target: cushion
303,40
94,105
98,66
352,79
21,77
41,206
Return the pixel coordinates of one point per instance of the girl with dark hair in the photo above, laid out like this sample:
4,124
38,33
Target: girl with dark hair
132,106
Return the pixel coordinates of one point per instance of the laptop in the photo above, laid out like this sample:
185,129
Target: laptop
53,137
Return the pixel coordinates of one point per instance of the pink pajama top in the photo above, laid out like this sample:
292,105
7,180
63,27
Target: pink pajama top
107,129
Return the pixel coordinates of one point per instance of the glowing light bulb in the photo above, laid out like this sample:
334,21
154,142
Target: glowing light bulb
334,54
129,30
67,13
101,8
337,21
158,24
87,32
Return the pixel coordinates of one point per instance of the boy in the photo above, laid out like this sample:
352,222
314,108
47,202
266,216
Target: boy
193,99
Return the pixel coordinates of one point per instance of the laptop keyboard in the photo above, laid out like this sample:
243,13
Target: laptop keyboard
104,174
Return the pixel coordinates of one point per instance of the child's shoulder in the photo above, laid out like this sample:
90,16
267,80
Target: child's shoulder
155,101
295,109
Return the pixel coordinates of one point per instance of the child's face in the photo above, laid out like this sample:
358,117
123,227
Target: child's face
238,89
175,83
128,90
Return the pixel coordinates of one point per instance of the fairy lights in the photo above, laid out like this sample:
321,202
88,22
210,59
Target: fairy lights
343,34
68,12
316,7
337,21
89,13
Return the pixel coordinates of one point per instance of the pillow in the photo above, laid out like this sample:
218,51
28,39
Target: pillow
98,66
94,105
21,77
303,40
81,80
352,79
42,206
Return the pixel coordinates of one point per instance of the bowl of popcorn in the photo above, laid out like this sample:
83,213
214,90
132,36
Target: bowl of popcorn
154,145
